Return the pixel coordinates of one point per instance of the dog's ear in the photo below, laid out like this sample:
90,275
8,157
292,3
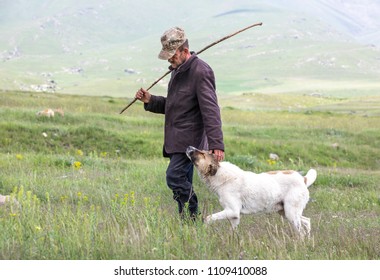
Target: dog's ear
213,168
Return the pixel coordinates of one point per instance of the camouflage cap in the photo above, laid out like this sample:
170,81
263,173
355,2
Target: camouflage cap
171,40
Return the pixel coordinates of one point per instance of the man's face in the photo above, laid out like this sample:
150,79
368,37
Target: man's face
177,59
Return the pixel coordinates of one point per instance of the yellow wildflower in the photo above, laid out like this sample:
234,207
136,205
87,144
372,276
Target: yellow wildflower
19,156
77,164
133,198
147,201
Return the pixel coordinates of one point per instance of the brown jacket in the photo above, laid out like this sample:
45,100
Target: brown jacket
192,114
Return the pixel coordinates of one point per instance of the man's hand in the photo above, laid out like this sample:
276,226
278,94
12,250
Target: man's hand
219,154
143,95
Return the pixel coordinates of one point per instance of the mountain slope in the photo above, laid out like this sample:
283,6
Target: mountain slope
110,47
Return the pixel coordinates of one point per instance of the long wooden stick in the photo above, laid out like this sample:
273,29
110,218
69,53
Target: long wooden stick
202,50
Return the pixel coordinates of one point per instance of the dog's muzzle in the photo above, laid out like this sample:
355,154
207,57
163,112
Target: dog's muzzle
190,151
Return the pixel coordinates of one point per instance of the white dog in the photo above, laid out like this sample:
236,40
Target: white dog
244,192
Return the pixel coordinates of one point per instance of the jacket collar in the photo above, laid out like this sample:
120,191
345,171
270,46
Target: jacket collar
185,66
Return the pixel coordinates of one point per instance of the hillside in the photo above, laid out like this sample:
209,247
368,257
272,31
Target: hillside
110,47
91,185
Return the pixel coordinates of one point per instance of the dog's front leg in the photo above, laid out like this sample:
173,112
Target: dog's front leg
232,216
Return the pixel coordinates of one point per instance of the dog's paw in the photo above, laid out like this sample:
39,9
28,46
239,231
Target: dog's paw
208,219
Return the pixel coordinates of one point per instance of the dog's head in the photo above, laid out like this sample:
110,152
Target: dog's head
206,163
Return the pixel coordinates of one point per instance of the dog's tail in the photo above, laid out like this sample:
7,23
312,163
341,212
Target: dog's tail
310,177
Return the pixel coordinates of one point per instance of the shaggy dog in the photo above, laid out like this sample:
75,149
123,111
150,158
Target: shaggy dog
244,192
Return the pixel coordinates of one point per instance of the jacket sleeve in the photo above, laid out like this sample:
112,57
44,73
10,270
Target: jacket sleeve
208,104
156,104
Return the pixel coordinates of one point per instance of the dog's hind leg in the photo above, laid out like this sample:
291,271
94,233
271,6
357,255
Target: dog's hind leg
294,217
296,223
306,224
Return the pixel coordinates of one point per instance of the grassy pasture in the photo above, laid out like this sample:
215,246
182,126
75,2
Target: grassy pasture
91,185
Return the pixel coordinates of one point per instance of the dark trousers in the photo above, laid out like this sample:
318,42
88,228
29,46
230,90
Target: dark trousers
179,178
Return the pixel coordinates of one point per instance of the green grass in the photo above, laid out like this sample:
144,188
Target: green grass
94,187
